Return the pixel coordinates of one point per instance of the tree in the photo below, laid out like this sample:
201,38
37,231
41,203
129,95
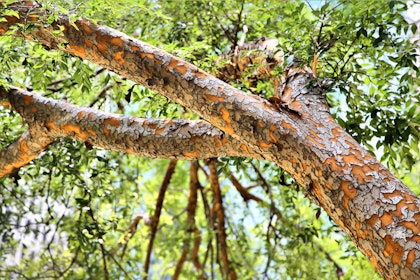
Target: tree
294,130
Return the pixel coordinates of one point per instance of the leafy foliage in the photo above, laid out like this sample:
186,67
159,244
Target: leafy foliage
67,214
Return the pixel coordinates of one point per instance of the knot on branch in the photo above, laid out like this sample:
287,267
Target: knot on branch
299,91
252,61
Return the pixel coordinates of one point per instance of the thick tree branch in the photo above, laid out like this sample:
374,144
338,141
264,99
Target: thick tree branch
182,139
26,148
374,208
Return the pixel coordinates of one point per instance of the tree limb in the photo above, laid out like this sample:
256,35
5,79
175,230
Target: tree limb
217,208
51,119
158,208
375,209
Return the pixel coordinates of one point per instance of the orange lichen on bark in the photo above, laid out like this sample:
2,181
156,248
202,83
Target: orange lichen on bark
119,57
328,186
159,130
411,257
372,220
192,154
244,148
337,134
349,193
152,125
217,143
33,109
27,99
361,233
91,132
117,41
226,118
88,43
394,249
200,73
372,259
81,114
177,65
77,50
288,126
213,98
51,125
360,172
24,147
264,145
71,128
115,122
272,137
86,26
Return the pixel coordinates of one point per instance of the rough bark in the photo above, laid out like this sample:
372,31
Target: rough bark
50,119
374,208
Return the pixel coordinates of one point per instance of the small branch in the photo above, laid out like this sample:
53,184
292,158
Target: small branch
101,94
101,245
338,270
191,207
158,209
238,24
246,195
220,215
128,234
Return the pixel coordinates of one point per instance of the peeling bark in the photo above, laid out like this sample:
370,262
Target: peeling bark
181,139
374,208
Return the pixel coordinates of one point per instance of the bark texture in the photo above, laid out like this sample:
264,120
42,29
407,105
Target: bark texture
374,208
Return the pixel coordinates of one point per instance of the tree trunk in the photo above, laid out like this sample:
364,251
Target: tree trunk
297,133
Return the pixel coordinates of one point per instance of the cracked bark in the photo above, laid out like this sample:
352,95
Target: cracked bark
50,119
374,208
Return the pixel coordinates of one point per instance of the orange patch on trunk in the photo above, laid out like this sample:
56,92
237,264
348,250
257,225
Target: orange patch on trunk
71,128
160,130
226,118
410,258
177,65
394,249
288,126
213,98
51,125
117,41
264,145
273,138
81,114
115,122
88,43
119,57
77,50
349,193
244,148
102,47
27,99
192,154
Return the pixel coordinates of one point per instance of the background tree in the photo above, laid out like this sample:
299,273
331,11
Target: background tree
92,212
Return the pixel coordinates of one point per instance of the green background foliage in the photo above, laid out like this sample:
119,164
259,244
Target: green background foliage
61,210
